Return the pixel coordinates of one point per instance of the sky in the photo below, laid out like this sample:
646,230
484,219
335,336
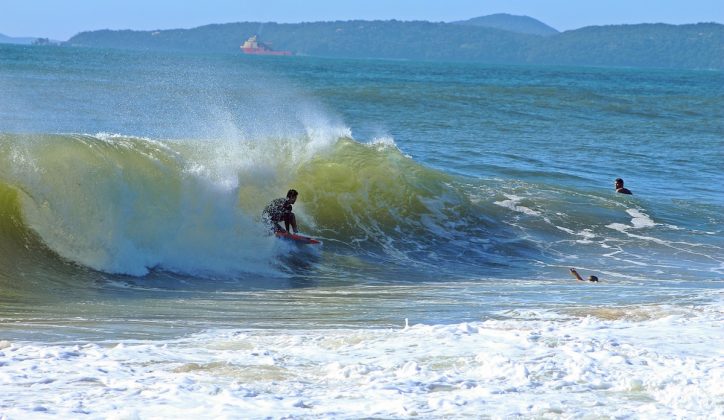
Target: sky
61,19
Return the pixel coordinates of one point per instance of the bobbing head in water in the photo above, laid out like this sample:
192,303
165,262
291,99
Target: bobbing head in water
618,184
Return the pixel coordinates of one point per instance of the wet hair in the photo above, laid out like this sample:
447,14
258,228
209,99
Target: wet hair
592,278
619,181
292,193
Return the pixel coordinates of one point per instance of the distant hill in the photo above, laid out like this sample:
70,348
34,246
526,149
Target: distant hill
512,23
4,39
346,39
697,46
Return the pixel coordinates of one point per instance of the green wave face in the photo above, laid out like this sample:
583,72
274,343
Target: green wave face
374,193
124,205
79,193
15,238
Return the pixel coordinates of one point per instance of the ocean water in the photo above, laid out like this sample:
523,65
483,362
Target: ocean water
138,281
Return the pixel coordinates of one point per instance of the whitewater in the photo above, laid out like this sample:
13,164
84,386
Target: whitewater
138,280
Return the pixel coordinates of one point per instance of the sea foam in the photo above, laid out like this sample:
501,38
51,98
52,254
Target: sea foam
539,364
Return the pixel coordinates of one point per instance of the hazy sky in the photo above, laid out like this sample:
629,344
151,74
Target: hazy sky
61,19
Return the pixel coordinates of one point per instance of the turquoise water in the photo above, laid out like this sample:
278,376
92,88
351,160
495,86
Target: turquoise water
451,200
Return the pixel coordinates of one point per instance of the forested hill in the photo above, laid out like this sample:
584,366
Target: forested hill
512,23
698,46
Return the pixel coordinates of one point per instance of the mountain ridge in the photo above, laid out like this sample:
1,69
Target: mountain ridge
698,46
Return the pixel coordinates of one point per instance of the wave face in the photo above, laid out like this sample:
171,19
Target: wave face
126,205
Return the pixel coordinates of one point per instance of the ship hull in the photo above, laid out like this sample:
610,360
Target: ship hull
259,51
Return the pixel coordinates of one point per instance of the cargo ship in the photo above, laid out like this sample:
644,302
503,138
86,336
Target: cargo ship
251,46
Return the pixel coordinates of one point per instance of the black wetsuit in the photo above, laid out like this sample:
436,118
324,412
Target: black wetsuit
279,210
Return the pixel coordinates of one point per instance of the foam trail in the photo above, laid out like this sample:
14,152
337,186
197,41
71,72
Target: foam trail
513,204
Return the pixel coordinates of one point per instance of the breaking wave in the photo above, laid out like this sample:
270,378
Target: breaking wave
128,205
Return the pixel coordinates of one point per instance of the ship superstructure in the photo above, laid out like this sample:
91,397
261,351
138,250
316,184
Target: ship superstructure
252,46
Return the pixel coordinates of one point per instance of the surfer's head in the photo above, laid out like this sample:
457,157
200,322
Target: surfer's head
292,195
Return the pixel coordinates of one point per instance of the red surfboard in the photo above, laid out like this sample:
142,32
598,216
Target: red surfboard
297,238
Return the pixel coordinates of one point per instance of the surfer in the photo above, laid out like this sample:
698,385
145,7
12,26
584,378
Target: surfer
620,188
280,210
578,277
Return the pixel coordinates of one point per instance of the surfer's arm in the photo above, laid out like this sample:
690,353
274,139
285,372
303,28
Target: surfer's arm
575,274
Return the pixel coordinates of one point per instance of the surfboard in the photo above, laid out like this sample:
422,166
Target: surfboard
297,238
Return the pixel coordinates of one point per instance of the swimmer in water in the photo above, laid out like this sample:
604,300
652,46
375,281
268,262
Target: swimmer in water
578,277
